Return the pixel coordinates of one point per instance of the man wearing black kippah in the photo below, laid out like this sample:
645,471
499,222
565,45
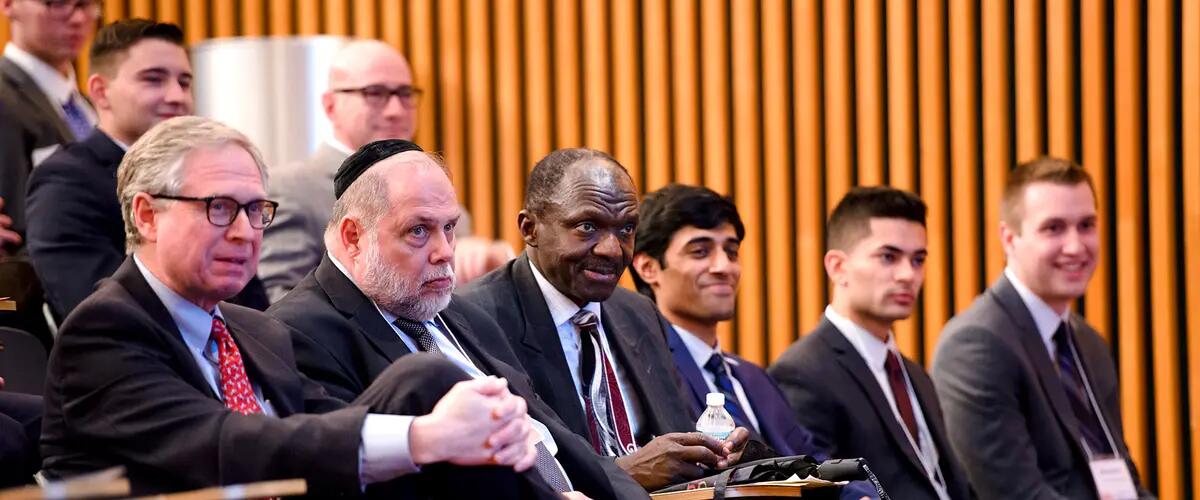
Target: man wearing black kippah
382,292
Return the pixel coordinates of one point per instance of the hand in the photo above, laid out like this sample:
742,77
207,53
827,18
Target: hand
672,458
732,447
474,257
477,422
575,495
7,235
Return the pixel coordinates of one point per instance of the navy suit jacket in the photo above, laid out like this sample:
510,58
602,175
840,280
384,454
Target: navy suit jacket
76,233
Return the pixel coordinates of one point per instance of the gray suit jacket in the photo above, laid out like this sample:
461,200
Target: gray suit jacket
294,242
28,121
1007,414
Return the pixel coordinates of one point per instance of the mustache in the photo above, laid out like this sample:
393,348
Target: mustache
440,272
602,266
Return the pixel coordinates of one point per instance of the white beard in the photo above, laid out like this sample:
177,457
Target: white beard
399,294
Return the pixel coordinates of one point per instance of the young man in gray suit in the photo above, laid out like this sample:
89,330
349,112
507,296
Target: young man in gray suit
1029,390
40,105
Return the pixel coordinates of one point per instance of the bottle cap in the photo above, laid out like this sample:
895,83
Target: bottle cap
715,399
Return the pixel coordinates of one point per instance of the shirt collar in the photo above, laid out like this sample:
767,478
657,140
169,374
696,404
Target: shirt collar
1044,316
561,308
872,350
387,316
338,145
194,323
57,87
700,350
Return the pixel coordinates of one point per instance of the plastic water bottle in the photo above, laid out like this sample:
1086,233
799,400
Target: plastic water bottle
715,421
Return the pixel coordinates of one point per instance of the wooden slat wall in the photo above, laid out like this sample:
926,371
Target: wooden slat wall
786,104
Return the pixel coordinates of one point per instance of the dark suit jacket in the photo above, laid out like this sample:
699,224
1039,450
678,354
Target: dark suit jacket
123,389
344,343
636,333
997,384
28,121
76,234
837,398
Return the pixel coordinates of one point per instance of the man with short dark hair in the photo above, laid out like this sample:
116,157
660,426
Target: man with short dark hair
1028,387
597,353
847,380
140,75
155,373
40,105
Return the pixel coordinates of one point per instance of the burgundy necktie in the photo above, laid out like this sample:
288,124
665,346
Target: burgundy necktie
235,385
895,377
608,423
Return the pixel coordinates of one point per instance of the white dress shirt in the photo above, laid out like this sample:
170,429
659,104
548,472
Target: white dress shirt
561,311
383,452
701,352
874,352
57,88
1044,316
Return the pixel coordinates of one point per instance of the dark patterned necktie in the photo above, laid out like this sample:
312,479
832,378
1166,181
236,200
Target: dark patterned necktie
1068,372
76,119
716,366
419,333
608,423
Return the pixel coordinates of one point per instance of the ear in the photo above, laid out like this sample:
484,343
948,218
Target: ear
6,5
527,223
145,217
647,268
1007,234
327,104
351,236
835,261
97,91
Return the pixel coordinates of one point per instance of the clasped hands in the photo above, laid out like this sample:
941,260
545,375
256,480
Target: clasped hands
681,456
477,422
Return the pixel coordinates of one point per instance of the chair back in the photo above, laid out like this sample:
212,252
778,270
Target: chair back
22,362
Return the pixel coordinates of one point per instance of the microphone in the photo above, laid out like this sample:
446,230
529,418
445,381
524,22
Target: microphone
850,469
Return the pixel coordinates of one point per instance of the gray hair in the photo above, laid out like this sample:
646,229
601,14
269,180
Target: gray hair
367,198
154,164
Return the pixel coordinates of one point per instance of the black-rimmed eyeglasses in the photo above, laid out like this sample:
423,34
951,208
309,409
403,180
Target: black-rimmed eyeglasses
223,210
63,9
377,96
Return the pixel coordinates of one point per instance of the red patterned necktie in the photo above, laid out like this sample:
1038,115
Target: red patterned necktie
235,385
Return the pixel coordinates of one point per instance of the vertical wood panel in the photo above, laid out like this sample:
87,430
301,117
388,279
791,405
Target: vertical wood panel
1131,318
253,19
538,114
810,155
1093,129
195,20
423,61
685,79
902,137
597,110
167,11
747,178
1190,35
568,105
308,17
777,180
714,88
1060,78
509,126
868,58
997,131
143,9
452,90
1027,40
964,152
393,28
364,15
224,18
657,71
336,17
112,11
1164,334
479,111
839,127
931,44
626,103
280,22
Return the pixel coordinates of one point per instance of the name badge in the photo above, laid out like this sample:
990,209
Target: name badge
1112,478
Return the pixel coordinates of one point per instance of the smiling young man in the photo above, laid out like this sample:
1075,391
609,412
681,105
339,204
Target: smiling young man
1029,389
596,352
847,380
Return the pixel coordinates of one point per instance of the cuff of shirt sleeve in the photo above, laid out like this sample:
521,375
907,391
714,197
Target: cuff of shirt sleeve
384,453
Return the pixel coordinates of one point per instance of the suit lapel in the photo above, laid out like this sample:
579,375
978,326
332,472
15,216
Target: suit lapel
24,85
852,362
265,369
688,369
539,339
129,277
627,342
1035,351
351,302
108,154
460,329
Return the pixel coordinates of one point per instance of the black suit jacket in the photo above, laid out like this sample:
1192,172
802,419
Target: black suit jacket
76,234
28,121
997,384
344,343
636,333
123,389
837,398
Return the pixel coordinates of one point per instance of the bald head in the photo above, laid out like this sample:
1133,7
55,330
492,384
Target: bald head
365,71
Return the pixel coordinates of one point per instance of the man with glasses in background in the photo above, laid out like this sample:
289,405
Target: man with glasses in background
40,104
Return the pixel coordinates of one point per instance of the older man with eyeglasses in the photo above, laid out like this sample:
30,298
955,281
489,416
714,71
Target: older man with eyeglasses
40,104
